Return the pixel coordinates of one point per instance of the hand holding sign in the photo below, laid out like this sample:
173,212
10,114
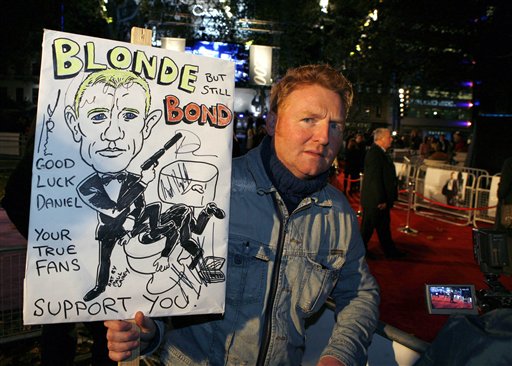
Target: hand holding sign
125,338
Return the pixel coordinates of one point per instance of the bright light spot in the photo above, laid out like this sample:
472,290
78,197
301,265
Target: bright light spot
394,133
401,90
374,15
227,9
323,5
358,48
435,113
468,123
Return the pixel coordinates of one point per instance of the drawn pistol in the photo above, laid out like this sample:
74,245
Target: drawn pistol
153,160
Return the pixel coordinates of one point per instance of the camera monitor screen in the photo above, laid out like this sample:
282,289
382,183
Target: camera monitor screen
451,299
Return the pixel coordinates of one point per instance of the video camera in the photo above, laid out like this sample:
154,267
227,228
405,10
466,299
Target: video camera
493,253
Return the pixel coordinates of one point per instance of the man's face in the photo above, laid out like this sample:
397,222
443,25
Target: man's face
308,131
111,126
385,140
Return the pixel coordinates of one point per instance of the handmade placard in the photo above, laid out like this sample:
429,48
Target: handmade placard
131,181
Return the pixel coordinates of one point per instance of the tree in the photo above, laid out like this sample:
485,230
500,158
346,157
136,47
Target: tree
24,22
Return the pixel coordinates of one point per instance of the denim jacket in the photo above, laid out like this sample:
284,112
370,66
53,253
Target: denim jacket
283,266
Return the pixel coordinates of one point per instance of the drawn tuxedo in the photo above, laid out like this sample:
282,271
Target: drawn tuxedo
176,223
112,214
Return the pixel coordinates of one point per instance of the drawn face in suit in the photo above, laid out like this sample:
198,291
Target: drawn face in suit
308,130
111,123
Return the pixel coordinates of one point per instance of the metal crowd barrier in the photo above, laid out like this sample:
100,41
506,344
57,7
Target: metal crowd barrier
486,198
10,143
429,182
12,273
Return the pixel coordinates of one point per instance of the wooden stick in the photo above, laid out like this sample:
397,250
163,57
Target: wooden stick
134,359
141,36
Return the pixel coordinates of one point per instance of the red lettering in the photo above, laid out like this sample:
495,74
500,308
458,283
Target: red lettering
218,116
173,114
192,112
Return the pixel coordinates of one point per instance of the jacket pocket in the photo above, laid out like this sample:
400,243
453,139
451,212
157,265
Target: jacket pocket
318,280
247,270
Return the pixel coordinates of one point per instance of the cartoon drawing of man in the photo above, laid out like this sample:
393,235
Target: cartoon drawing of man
110,119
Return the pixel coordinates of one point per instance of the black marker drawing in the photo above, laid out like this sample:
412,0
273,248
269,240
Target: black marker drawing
49,125
111,131
130,194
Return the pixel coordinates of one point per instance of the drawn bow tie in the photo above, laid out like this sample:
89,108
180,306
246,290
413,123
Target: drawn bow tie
120,177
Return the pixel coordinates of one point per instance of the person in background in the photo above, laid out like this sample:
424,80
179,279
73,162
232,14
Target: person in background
378,194
250,133
426,147
438,154
415,140
354,162
504,210
445,145
304,246
261,131
459,143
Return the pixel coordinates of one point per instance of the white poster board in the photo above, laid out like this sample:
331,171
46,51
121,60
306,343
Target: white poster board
131,182
493,195
436,178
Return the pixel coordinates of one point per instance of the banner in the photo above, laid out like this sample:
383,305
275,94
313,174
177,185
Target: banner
131,182
260,65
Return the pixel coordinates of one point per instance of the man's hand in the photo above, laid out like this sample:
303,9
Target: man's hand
148,175
161,264
129,223
124,240
123,337
329,361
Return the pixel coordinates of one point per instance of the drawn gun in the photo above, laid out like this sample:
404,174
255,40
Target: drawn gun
153,160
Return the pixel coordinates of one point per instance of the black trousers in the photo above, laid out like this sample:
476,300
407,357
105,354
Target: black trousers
58,344
380,220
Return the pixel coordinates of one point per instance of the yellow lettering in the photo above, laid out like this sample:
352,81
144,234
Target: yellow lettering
66,64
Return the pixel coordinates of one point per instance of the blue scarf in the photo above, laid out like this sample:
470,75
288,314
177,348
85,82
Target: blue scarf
292,189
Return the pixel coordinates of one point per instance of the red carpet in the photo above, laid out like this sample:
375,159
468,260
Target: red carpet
439,253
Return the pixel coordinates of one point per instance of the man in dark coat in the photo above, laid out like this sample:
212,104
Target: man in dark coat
379,192
503,217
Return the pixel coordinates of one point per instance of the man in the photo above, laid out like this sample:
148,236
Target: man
379,192
111,131
504,211
293,242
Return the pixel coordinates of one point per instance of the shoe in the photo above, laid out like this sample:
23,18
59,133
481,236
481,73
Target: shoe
395,254
94,293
